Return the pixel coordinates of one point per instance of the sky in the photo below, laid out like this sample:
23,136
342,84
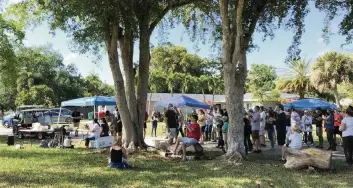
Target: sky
270,52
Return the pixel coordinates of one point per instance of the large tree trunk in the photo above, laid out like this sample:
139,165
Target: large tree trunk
234,91
234,66
112,43
337,97
143,73
126,48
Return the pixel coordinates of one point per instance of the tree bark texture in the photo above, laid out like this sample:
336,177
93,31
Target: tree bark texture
126,48
112,44
337,97
144,63
301,159
234,62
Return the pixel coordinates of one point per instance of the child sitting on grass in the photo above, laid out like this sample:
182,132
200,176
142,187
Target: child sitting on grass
295,140
118,155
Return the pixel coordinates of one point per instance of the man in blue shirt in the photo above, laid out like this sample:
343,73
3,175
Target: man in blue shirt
330,129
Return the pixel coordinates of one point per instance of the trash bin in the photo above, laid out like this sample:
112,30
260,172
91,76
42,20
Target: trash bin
10,140
90,115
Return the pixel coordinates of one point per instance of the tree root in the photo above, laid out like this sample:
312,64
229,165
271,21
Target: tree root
234,157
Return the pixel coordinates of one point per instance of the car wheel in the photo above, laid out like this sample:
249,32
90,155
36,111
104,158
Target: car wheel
6,124
40,136
68,120
20,135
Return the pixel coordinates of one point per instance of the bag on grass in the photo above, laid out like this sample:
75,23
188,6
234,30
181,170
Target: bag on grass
43,144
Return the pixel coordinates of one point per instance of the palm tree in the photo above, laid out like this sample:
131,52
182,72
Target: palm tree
297,79
330,70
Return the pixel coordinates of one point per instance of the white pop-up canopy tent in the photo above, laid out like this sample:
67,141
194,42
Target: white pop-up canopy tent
89,101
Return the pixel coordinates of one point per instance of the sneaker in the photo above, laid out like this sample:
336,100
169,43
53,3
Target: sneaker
263,145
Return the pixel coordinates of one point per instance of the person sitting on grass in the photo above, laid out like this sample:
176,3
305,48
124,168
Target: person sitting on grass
95,132
193,136
295,140
118,155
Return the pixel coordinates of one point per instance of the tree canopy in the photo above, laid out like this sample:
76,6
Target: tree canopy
175,70
330,70
261,79
43,79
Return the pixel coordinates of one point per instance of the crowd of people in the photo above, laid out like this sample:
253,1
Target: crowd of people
287,128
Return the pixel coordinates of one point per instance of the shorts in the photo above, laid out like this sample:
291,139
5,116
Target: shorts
281,137
203,128
172,133
255,134
262,131
188,141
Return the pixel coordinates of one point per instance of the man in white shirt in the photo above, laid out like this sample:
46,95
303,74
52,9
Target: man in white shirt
262,126
295,120
255,128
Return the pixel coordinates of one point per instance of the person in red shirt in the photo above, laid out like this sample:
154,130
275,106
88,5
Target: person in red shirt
193,136
338,119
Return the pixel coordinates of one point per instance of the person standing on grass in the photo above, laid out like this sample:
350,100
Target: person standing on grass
330,129
145,124
269,127
209,121
216,120
347,134
247,133
171,123
193,136
154,124
225,132
76,118
281,128
181,123
307,128
338,119
262,126
318,120
202,122
255,128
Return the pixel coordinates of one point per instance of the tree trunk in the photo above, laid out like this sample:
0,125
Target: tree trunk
129,133
337,97
143,73
126,48
234,91
234,66
301,95
300,159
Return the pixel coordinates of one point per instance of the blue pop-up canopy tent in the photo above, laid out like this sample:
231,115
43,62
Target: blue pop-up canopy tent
310,104
182,101
89,101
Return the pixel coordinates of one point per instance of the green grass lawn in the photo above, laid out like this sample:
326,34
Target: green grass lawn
35,167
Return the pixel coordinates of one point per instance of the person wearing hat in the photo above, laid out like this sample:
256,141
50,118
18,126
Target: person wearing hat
307,128
295,140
